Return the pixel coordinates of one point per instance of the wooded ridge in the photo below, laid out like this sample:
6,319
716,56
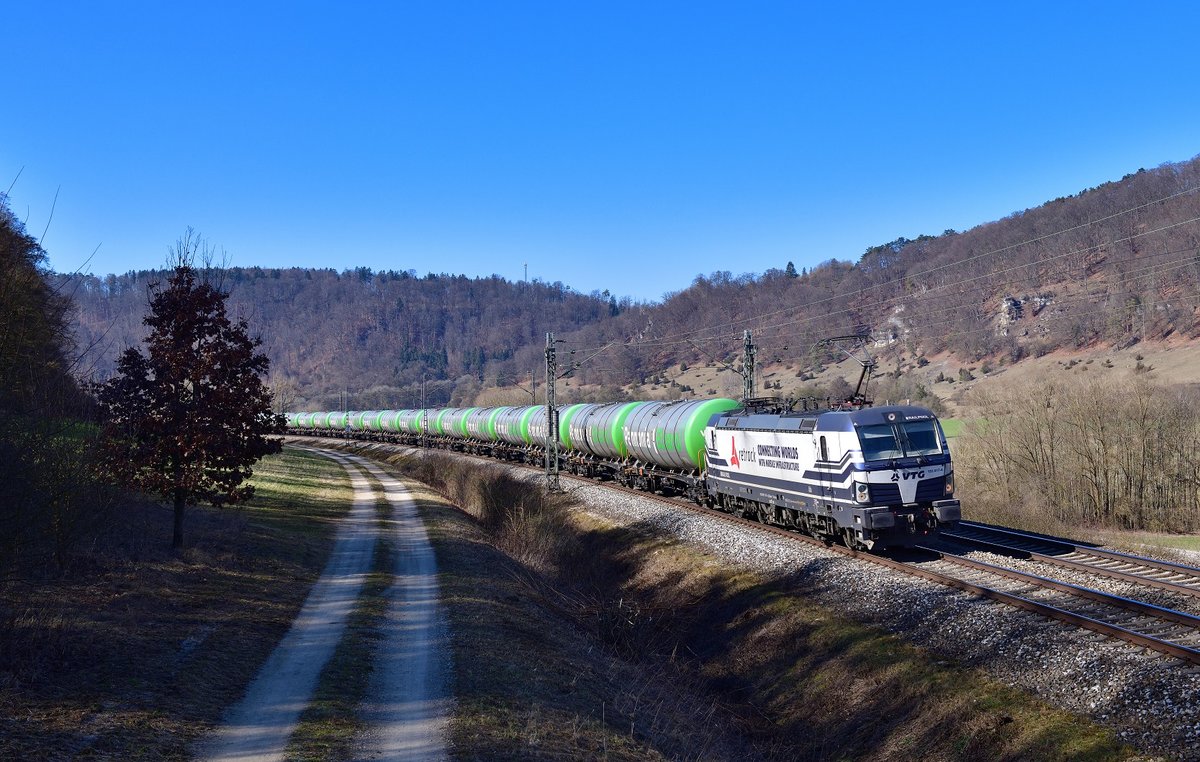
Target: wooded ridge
1117,264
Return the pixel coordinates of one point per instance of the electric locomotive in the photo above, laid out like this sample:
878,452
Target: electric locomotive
868,477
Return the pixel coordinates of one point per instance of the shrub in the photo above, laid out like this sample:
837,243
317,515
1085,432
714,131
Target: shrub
1082,449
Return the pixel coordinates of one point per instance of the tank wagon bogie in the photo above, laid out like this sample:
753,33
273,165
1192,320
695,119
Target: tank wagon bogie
869,477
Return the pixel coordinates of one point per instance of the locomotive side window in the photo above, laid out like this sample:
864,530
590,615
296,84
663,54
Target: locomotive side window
824,450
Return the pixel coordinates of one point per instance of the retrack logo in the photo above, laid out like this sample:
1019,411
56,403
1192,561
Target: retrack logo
733,458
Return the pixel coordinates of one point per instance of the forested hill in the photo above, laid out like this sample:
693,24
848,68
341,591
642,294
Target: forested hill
1115,264
35,377
374,334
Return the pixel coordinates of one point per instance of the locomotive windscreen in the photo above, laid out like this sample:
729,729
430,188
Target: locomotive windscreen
888,441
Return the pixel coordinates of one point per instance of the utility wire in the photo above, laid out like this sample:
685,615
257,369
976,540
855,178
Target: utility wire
883,303
714,332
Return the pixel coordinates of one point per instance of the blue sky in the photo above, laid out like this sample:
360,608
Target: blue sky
621,146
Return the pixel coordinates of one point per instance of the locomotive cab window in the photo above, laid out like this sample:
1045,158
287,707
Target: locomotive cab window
888,441
921,438
824,450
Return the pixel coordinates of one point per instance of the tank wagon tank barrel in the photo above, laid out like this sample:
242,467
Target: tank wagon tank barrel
671,434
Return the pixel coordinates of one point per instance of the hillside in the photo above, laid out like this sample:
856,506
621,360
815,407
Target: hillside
1112,266
375,335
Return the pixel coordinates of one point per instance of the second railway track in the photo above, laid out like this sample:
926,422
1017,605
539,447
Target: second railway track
1149,572
1141,624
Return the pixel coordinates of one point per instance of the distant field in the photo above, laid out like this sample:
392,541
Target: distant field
1188,542
953,427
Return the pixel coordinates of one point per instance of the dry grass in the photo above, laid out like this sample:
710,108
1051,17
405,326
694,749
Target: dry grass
139,650
632,646
531,683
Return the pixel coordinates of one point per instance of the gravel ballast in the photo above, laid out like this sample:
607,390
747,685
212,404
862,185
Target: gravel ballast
1150,699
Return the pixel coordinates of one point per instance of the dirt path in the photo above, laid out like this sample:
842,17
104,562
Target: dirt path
257,729
407,701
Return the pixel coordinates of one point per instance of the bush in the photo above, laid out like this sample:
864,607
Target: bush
50,499
1075,455
519,516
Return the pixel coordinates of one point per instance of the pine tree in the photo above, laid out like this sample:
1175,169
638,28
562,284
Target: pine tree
189,418
791,271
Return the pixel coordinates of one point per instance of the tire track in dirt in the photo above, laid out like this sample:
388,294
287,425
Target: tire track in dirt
408,701
258,727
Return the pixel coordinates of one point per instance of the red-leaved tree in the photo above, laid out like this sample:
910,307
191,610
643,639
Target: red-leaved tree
189,418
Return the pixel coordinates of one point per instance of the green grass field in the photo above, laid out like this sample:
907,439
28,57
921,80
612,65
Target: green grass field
953,427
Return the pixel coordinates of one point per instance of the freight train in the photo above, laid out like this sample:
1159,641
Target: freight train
868,477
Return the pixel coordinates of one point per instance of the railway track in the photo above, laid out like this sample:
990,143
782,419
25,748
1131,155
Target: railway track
1150,572
1163,630
1141,624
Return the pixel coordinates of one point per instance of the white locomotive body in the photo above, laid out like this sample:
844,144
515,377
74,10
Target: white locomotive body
872,477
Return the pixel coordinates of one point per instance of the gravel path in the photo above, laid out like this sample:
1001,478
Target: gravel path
408,700
1152,701
257,728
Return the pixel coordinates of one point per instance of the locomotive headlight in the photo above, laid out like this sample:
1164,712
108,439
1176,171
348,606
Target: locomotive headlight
950,483
862,492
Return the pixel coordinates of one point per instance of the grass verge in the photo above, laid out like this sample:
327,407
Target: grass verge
811,684
139,650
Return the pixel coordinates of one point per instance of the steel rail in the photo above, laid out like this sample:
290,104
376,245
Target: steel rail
1124,575
1129,604
1184,653
1087,548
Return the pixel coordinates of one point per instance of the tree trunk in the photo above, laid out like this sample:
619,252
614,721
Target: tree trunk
177,539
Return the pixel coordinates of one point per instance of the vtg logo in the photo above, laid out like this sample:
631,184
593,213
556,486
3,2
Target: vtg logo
906,475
